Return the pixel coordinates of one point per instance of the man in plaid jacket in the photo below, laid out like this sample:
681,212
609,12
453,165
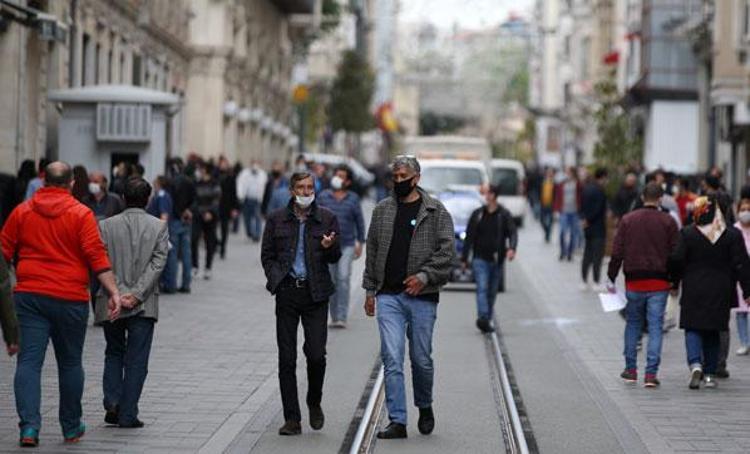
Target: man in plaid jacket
410,249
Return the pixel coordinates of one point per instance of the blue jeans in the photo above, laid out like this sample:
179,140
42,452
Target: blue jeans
487,277
652,304
742,327
341,273
547,218
180,236
399,317
126,364
251,215
42,318
569,230
702,348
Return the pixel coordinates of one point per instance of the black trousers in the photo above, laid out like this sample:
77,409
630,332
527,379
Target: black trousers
593,254
292,305
224,221
208,231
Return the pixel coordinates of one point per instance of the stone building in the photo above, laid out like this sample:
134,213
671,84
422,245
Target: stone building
94,42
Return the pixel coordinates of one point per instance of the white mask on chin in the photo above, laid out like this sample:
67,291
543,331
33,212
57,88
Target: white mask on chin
304,201
337,183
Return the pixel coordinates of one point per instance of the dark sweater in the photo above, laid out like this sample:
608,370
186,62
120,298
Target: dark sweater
594,210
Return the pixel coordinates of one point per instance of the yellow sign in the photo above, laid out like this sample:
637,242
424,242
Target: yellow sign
300,94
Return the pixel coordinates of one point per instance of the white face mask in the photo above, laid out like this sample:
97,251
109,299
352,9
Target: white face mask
337,183
198,175
304,202
744,217
94,188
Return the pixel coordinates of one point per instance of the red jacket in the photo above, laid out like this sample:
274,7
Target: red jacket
56,242
560,194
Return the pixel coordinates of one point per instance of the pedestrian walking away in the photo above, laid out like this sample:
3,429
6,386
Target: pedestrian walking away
345,204
206,209
568,204
643,244
547,204
710,259
251,184
594,222
410,252
229,206
137,244
299,243
182,190
56,242
492,237
161,206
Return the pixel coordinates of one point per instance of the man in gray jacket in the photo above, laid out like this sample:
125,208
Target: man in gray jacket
137,244
409,254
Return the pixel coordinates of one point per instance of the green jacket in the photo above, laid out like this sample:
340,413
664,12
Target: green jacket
8,318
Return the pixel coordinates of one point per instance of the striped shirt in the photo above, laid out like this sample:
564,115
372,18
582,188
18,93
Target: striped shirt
348,212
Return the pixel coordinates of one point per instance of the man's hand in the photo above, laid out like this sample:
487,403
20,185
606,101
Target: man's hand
328,240
511,254
413,285
208,216
357,250
584,224
235,214
114,306
129,301
12,349
611,288
370,306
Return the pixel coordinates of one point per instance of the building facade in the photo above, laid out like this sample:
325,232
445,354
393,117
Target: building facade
131,42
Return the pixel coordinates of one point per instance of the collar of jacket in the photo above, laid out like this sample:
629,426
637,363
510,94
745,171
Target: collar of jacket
314,213
133,210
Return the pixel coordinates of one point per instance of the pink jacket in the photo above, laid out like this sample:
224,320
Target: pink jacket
742,307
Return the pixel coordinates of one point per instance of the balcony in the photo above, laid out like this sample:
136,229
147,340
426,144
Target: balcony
295,6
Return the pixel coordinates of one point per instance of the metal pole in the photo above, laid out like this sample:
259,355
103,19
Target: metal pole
301,113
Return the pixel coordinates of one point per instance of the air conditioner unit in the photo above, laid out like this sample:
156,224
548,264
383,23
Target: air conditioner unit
123,122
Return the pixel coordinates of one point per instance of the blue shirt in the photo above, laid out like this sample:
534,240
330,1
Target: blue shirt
299,269
160,204
348,212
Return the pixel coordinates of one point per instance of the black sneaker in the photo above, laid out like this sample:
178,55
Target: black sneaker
135,424
629,375
722,373
393,431
291,428
426,422
317,418
184,290
484,326
112,416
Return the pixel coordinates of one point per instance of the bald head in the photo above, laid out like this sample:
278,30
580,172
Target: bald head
58,174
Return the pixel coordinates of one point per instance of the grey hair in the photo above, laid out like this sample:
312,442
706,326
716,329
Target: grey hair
409,162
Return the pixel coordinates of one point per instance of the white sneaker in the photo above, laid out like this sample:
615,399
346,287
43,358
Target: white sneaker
696,375
207,275
584,287
742,351
710,382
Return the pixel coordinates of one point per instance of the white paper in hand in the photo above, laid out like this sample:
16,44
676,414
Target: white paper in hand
612,302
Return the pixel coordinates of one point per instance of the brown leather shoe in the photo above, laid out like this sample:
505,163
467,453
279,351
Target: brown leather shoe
291,428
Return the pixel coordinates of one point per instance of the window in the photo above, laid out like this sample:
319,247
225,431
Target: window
136,70
97,52
110,62
85,59
122,66
746,20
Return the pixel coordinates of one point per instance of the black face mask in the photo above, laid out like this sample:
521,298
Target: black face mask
403,188
275,174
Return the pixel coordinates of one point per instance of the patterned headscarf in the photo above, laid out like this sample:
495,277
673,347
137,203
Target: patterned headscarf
709,219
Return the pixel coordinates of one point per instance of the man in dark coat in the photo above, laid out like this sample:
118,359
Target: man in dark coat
710,259
299,243
594,220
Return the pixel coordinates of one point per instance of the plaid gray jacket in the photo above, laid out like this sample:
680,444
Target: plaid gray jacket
432,249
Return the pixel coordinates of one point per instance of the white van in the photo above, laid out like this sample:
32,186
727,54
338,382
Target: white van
510,175
439,175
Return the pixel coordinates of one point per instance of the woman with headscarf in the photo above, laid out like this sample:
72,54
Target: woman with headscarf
710,260
80,183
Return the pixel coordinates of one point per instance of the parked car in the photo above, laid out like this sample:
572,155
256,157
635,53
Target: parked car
509,175
439,175
460,204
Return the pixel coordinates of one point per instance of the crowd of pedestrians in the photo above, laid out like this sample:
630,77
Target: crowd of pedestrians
680,241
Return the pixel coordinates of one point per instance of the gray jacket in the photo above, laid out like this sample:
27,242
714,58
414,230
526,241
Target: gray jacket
432,248
137,244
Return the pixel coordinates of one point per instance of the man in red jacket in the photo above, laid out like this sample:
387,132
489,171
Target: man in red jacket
643,243
54,242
